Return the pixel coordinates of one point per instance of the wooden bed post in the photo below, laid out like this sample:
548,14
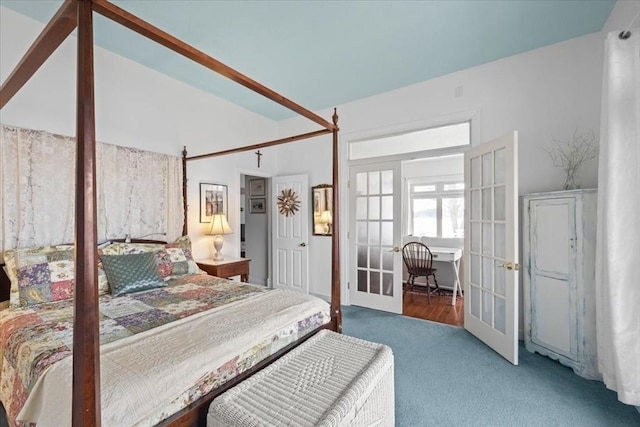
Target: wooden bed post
86,341
184,189
336,313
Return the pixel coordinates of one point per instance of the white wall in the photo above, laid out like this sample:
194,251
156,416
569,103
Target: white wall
312,157
545,93
138,107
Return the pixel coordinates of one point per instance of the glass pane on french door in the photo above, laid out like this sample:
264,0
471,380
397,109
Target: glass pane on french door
376,225
374,231
491,246
488,242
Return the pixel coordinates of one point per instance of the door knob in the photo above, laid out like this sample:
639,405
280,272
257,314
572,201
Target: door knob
510,266
395,249
302,245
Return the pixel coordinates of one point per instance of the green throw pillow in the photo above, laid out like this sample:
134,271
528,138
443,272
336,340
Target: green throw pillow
131,272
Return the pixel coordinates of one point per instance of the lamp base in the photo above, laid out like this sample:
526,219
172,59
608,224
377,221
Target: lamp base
217,245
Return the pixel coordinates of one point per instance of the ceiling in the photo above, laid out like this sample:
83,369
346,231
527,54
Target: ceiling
325,53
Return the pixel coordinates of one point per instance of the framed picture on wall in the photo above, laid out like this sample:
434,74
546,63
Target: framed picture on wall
258,205
257,187
213,200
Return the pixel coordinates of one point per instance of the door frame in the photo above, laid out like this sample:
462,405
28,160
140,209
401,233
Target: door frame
240,173
472,116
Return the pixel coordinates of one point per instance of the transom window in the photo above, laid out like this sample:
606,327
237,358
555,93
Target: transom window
448,136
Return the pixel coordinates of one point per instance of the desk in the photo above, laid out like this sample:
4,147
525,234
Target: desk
452,256
226,268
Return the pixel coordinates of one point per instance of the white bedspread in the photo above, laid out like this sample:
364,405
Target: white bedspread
147,371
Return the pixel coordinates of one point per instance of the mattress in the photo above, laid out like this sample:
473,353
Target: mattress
330,380
160,350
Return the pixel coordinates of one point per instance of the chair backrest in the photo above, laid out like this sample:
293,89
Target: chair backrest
418,258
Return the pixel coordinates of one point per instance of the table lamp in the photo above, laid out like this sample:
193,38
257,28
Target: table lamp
219,226
327,220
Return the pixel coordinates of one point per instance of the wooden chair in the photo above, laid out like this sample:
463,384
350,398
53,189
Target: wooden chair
419,262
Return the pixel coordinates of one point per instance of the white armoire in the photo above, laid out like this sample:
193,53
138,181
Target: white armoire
559,231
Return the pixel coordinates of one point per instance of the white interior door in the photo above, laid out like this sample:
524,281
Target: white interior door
491,244
290,232
375,234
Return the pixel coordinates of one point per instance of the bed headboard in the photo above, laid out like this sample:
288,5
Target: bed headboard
162,242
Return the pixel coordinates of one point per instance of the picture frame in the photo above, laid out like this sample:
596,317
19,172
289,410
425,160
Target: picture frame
258,205
213,200
322,213
257,187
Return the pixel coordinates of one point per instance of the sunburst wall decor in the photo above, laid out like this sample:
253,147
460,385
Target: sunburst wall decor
288,202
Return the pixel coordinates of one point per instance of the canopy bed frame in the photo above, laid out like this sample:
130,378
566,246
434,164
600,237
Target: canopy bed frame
86,363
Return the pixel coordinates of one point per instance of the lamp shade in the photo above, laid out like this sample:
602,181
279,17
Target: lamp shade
219,225
325,218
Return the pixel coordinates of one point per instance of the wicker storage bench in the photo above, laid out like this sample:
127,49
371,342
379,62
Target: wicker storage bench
330,380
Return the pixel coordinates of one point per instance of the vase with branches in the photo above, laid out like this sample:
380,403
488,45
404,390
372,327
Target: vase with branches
571,154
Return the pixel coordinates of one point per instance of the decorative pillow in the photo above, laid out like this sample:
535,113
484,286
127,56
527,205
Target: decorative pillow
175,260
131,272
120,248
16,259
44,275
29,289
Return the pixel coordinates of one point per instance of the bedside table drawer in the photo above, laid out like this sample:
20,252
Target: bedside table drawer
226,268
235,269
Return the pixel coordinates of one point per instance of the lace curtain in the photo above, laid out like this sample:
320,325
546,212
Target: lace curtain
139,192
618,238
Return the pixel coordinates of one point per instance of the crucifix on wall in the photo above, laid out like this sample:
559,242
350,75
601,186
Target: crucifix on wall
259,154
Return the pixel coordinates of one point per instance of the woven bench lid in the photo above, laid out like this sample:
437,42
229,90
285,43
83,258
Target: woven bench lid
318,383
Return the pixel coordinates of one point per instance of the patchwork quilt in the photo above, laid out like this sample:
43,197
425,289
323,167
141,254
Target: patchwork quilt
34,339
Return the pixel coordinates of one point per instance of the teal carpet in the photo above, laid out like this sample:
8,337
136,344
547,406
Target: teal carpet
444,376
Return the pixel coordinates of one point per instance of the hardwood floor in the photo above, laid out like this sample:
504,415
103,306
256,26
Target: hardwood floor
416,304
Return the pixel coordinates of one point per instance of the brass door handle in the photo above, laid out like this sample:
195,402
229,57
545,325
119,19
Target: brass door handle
395,249
303,244
510,266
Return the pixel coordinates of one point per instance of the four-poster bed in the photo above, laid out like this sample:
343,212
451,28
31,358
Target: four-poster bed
86,409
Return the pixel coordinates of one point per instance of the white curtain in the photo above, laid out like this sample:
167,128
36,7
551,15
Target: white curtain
139,192
618,238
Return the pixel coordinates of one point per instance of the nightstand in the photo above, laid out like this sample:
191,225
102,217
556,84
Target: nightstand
226,268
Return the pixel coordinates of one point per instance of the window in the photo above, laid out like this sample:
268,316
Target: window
455,135
436,209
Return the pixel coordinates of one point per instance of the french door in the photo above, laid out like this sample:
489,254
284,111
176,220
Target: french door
375,236
491,244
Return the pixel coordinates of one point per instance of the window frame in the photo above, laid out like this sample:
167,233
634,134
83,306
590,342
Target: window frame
439,194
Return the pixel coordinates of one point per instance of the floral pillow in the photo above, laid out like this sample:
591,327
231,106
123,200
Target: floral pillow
120,248
175,261
180,253
44,274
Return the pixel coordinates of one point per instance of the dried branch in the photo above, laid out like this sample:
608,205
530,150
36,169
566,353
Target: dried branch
570,155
